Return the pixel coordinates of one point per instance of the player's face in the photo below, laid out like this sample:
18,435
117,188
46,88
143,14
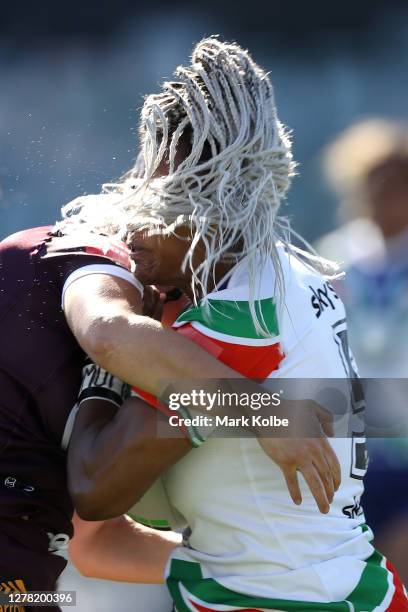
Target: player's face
387,190
159,258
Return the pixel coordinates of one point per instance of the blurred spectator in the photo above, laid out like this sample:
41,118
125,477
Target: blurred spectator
368,167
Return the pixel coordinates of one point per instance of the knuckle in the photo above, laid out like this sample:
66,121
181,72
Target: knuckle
315,480
326,476
303,458
286,461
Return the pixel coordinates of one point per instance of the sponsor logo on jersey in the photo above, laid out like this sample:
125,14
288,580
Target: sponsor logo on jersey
323,297
12,483
354,510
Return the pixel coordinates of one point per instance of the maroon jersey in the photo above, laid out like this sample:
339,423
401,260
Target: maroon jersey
40,366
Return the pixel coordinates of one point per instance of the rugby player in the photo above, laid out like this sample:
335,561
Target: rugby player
40,373
67,291
250,548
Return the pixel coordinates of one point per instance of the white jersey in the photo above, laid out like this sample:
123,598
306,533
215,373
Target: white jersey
250,546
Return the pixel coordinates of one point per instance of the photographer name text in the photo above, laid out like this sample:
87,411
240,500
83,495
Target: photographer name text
226,421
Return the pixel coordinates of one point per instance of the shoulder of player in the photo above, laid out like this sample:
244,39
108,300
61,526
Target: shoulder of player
28,240
114,251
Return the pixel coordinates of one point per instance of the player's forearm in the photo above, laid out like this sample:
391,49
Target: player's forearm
104,316
144,353
104,473
122,550
112,462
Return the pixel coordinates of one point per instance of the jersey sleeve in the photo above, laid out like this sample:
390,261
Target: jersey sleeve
97,384
76,257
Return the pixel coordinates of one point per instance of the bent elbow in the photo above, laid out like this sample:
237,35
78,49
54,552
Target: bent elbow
88,509
99,342
105,339
88,513
87,503
91,506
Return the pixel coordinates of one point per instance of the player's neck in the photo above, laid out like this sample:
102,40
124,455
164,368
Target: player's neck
221,269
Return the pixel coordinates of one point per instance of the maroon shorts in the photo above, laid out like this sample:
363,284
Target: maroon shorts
25,563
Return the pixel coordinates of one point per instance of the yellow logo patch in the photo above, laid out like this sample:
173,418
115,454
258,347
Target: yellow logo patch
12,586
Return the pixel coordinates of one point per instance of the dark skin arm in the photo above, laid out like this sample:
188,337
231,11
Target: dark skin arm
114,456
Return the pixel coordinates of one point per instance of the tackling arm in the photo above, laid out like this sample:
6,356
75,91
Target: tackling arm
114,456
104,315
120,549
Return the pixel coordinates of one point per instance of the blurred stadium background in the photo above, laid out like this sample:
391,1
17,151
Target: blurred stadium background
72,77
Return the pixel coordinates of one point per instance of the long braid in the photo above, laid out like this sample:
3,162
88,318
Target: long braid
233,196
230,185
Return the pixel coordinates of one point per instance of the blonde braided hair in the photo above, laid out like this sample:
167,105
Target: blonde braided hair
229,186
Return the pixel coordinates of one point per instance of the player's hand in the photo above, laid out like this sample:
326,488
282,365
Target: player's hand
153,301
308,452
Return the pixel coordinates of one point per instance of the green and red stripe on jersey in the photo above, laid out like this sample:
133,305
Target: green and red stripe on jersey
225,329
378,590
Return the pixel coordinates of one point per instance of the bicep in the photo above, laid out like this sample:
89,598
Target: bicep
92,418
91,301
